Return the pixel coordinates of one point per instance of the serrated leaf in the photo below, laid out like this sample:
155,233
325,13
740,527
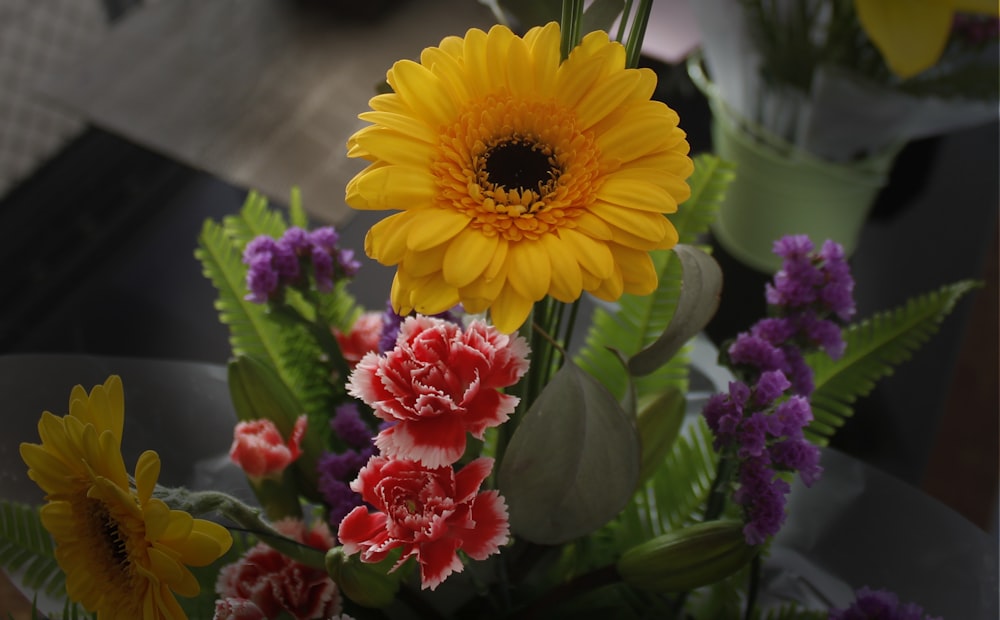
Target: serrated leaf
573,462
26,548
701,286
875,347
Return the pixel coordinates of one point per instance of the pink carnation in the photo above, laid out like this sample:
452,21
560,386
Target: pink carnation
275,584
260,451
430,513
437,384
363,338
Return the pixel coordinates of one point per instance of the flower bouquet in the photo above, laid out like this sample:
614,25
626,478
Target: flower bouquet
815,99
473,449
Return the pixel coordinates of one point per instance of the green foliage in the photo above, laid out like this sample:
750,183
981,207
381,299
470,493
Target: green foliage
25,545
27,551
304,358
675,494
875,347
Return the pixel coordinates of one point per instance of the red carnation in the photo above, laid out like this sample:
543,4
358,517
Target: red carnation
363,337
430,513
437,384
275,584
260,451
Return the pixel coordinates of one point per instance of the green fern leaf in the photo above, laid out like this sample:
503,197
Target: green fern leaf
251,332
874,348
254,218
708,182
678,490
26,548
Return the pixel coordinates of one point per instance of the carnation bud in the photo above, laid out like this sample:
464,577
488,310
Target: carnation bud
687,558
368,585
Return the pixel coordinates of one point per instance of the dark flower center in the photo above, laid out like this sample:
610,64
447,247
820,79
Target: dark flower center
112,536
519,165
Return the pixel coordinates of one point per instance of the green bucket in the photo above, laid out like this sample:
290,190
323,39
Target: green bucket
781,190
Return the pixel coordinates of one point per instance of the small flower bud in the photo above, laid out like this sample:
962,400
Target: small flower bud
687,558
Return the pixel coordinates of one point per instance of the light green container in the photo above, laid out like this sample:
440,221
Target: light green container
780,190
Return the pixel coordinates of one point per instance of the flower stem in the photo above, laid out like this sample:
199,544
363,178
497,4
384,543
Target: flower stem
581,584
248,518
571,23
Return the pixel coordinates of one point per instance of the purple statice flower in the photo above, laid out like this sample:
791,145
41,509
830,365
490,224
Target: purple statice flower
349,426
761,427
798,454
838,294
762,496
756,353
879,605
277,263
390,329
336,470
262,277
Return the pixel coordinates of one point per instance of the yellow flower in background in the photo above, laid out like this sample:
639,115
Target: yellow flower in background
518,175
124,553
912,34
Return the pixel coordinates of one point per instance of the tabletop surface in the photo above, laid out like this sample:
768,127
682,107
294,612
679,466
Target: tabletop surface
262,94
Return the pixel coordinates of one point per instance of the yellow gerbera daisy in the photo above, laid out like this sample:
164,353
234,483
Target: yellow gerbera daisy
518,175
124,553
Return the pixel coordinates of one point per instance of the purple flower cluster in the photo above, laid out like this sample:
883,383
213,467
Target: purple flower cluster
764,430
276,263
809,297
760,421
879,605
336,470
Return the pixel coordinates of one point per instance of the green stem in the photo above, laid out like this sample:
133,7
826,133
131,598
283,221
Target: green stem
636,33
248,518
752,586
570,23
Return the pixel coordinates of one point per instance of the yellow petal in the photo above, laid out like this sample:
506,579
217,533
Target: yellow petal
646,130
510,310
394,147
602,100
468,256
422,89
425,263
433,295
652,226
480,293
433,227
637,269
592,255
911,34
567,280
384,186
611,288
147,472
543,43
637,194
405,124
530,270
386,240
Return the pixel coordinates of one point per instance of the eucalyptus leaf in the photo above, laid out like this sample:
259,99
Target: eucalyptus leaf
699,299
573,462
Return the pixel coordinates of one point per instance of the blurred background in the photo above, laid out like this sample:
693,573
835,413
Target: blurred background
124,124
